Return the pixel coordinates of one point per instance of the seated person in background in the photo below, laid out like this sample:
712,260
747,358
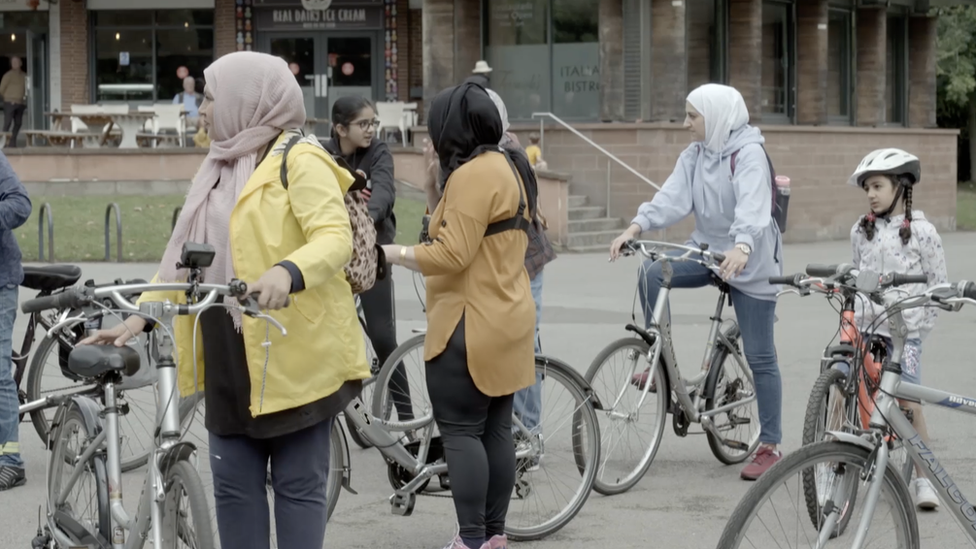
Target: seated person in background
190,100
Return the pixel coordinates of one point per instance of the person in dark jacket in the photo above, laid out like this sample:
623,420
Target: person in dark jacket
15,208
354,127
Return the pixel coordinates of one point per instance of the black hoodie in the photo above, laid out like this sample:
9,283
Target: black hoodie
376,161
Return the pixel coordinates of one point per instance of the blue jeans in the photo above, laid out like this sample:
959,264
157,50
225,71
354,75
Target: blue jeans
9,405
755,317
528,401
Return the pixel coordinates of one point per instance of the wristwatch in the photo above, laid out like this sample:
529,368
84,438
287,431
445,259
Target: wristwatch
744,248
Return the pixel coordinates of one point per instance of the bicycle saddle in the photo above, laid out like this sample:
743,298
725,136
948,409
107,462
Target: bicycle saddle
50,278
93,361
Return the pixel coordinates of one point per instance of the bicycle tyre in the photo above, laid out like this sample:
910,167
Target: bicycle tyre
827,379
333,484
73,415
636,474
379,404
802,458
585,415
41,423
182,475
716,370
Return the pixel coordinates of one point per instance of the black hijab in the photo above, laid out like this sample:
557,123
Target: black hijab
463,123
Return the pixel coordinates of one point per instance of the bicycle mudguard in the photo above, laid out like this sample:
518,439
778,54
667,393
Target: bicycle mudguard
346,467
849,438
555,364
178,452
90,413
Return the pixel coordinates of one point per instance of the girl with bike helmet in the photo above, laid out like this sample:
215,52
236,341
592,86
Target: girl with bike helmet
886,241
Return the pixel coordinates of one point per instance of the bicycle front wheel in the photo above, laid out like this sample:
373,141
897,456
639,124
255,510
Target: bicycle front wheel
759,521
631,422
186,517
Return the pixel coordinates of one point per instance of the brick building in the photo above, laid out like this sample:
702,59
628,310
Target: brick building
827,80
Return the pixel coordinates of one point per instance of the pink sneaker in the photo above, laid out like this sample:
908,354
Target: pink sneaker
497,542
764,458
457,543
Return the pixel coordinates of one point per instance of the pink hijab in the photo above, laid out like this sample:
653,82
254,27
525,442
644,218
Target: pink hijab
255,97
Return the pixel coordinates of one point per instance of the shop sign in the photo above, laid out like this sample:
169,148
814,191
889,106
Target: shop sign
332,18
316,4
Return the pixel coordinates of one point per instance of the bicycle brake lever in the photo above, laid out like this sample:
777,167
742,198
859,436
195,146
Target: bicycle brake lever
788,291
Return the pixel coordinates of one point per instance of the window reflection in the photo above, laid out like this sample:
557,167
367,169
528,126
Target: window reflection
838,64
703,48
775,58
177,48
575,59
123,65
895,71
517,50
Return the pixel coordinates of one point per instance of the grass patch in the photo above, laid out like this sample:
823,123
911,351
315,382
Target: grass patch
79,226
966,207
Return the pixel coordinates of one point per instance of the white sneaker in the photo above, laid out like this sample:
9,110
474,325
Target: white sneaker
925,496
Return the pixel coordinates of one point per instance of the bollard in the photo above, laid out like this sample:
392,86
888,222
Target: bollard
113,207
176,215
45,213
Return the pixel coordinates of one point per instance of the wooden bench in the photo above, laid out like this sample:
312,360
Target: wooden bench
54,138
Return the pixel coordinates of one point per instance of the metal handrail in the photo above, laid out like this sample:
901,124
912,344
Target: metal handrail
610,155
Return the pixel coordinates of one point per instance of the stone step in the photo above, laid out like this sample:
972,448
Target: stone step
591,239
577,200
595,225
586,212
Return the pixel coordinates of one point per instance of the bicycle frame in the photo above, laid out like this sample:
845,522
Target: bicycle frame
662,351
887,412
168,447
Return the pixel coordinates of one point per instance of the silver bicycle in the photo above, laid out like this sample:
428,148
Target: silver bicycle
85,507
639,383
858,461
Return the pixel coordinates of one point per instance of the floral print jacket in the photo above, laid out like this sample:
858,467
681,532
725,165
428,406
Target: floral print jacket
886,254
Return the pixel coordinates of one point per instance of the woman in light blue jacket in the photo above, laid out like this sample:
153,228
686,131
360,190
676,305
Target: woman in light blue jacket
732,215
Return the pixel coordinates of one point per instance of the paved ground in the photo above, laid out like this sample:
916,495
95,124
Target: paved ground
686,497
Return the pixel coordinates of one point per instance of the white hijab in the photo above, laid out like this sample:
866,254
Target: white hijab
724,111
502,111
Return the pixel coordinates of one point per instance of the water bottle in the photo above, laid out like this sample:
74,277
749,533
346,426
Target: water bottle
782,200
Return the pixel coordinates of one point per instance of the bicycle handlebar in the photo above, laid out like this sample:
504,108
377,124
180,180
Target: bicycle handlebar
207,295
640,246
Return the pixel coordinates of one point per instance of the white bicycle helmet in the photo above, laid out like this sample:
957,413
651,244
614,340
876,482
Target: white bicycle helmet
887,162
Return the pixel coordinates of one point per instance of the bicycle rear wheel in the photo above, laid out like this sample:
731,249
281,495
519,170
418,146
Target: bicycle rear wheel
624,419
729,381
847,462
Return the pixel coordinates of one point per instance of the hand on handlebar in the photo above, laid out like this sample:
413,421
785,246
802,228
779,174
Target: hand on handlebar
618,243
118,334
735,262
272,288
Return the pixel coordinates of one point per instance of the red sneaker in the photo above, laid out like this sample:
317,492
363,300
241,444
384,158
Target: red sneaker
765,458
640,379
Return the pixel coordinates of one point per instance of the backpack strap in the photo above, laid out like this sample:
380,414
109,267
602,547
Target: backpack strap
518,222
283,174
772,172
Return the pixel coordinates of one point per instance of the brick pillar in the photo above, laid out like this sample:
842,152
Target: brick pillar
438,47
921,72
611,30
872,26
467,25
225,28
745,53
812,62
669,65
403,50
75,78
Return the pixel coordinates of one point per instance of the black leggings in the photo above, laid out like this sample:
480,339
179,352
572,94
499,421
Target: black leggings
380,313
476,430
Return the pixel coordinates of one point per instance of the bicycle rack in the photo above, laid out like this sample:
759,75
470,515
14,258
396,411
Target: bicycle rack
45,213
113,207
176,215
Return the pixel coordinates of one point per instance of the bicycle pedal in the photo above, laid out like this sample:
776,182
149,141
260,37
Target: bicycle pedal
736,445
740,421
403,504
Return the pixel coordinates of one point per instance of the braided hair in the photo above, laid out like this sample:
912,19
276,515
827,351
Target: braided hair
868,221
